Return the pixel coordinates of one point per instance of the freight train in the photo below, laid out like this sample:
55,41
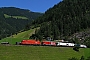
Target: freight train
37,42
50,43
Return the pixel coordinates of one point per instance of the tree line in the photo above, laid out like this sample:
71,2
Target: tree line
64,19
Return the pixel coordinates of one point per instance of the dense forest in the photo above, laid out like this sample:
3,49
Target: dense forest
65,19
13,20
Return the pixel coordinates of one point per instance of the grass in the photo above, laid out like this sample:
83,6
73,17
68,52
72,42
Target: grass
12,40
7,16
16,17
19,37
39,53
20,17
87,52
25,34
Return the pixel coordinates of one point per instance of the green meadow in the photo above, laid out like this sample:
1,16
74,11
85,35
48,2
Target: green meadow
16,17
40,53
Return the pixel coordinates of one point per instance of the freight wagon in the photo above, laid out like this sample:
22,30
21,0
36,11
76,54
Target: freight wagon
65,44
80,45
70,45
83,46
48,43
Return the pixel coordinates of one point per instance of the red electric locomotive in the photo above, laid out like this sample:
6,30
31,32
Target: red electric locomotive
30,42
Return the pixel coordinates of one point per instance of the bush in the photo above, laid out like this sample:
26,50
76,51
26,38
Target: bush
76,49
82,58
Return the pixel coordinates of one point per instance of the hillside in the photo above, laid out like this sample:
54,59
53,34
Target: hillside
13,20
19,36
65,19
